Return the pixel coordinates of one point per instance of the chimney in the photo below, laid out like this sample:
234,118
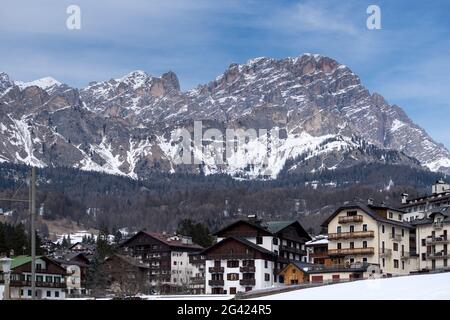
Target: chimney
370,202
405,198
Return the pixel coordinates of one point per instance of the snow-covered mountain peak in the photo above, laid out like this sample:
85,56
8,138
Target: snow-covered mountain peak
45,83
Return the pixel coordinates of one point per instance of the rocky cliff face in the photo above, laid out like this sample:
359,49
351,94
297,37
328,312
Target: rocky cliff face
325,119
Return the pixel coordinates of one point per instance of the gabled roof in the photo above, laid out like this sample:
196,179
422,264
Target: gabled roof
366,209
445,211
267,228
22,260
241,240
165,239
250,223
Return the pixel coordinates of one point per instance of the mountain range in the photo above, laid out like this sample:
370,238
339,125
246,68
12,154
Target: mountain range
327,119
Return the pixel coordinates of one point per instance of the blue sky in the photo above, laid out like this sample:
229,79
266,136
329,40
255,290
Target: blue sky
408,61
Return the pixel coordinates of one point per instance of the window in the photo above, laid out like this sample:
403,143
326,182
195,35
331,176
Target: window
38,266
395,246
403,232
395,263
217,263
445,262
424,243
57,294
21,292
393,231
259,240
266,264
233,276
382,228
174,279
364,260
364,244
29,293
232,290
233,263
338,229
351,213
400,217
339,245
174,263
403,265
275,241
352,228
383,262
49,294
424,257
364,227
266,277
391,215
352,245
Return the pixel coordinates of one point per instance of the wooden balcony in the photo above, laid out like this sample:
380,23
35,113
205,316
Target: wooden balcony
293,250
39,284
351,235
216,270
386,253
351,219
216,283
351,251
247,282
247,269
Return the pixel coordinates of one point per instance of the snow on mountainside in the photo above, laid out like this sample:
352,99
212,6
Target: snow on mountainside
326,119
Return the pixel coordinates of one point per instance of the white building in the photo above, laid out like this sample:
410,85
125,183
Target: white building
370,234
418,208
432,235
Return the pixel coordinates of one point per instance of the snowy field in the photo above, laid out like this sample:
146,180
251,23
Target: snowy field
418,287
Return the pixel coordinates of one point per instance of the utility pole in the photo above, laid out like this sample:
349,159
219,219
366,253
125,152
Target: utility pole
33,231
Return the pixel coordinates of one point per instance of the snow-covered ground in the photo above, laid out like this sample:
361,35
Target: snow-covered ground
417,287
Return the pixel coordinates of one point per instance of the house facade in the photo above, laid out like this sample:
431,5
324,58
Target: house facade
317,250
167,257
369,234
418,208
77,266
432,235
50,279
249,253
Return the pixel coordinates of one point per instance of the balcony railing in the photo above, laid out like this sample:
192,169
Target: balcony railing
293,250
350,219
351,251
438,255
436,240
247,282
219,256
386,253
40,284
195,280
396,237
247,269
216,270
351,235
405,255
216,283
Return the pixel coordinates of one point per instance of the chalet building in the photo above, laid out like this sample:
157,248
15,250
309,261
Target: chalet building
167,257
126,275
77,266
295,273
249,253
432,234
418,208
370,234
317,250
50,278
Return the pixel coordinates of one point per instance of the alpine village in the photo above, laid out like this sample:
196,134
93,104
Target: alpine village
360,240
